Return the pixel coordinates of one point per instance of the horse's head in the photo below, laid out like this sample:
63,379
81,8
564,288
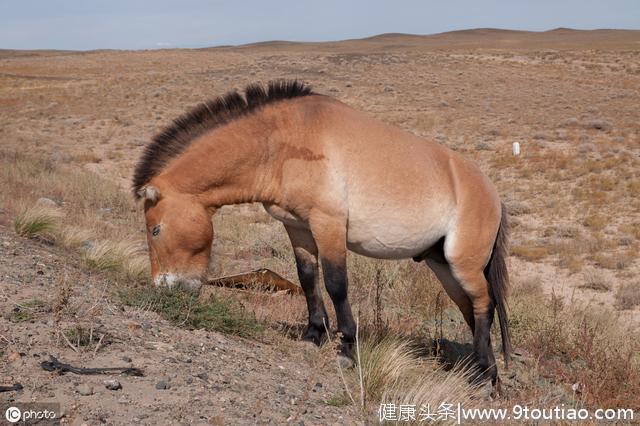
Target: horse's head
179,233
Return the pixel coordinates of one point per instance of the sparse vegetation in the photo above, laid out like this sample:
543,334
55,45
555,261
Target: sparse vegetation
579,344
339,400
595,281
187,310
571,195
530,252
628,296
26,310
81,337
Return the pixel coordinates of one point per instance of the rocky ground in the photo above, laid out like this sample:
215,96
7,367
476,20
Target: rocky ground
190,376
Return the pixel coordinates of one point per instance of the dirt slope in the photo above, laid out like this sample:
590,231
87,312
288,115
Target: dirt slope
213,378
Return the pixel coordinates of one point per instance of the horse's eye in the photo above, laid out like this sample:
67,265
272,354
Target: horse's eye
155,231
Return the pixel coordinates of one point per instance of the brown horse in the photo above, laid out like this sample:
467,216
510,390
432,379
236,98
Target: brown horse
338,180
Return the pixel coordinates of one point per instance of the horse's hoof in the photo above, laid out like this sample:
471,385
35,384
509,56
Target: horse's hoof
345,362
314,339
486,391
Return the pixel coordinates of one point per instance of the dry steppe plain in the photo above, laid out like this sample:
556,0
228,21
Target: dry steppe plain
73,119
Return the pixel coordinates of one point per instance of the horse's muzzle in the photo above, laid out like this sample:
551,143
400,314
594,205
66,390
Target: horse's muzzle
175,281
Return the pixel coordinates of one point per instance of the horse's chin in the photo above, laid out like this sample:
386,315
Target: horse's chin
177,282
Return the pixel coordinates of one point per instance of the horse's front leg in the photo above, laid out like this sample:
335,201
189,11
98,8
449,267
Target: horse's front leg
330,234
306,253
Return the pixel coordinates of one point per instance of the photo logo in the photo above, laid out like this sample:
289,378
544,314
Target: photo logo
13,414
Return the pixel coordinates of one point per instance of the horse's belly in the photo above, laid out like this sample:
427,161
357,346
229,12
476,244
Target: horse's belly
394,237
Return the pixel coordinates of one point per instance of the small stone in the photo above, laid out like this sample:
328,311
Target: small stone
84,389
570,122
13,356
126,359
486,391
203,376
345,362
112,384
163,385
599,125
280,390
46,202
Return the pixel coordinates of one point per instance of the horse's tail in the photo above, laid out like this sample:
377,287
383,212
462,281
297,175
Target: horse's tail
498,277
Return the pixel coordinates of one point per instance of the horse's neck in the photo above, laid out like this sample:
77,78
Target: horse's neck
231,165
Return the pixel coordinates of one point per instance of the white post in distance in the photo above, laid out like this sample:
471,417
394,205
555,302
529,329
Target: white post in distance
516,148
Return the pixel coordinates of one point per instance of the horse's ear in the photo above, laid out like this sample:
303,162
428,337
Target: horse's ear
150,193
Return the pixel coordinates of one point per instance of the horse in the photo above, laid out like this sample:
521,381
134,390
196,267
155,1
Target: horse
338,180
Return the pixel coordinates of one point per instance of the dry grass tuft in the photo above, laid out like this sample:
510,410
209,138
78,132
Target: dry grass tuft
73,237
531,253
383,363
391,372
37,221
628,296
124,257
594,280
432,388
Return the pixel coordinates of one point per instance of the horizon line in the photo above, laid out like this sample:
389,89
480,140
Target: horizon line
167,46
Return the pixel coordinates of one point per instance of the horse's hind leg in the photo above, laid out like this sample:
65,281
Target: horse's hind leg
306,253
459,265
453,289
472,280
483,312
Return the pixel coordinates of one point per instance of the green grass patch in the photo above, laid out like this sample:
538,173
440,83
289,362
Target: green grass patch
34,304
188,310
81,336
19,315
339,400
25,310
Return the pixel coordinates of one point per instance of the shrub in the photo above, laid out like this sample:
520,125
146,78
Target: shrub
628,296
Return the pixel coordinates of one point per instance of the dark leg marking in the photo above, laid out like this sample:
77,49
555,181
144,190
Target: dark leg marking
306,254
485,360
318,318
335,277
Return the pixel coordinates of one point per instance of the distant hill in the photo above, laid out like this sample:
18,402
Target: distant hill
468,39
477,38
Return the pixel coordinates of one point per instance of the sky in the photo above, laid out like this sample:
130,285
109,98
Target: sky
136,24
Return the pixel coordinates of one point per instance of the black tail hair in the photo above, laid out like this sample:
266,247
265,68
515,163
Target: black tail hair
498,277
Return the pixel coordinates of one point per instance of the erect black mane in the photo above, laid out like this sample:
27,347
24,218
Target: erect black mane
175,138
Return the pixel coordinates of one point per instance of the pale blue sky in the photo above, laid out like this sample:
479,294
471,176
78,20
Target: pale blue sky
135,24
